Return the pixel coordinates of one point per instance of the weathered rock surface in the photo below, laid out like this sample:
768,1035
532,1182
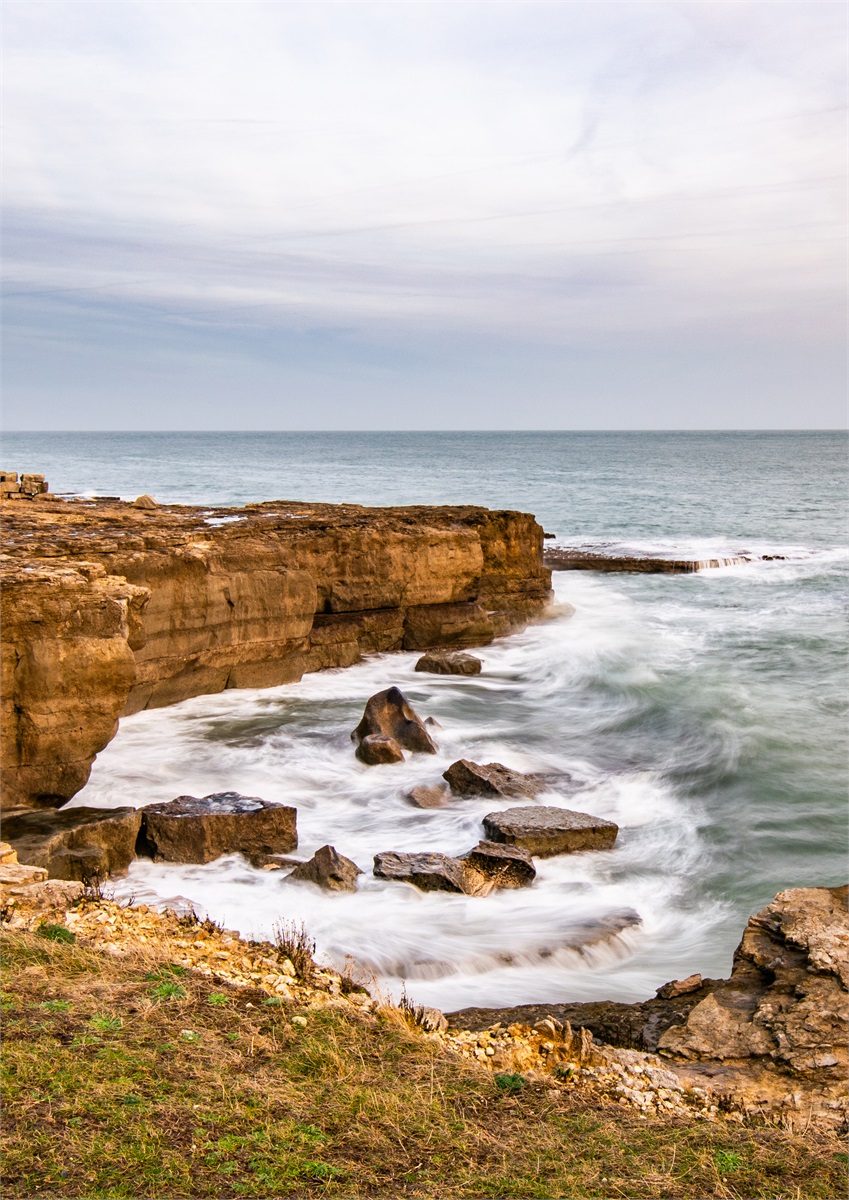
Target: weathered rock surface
680,987
497,866
560,559
787,997
429,872
446,662
389,715
328,869
490,779
109,608
545,831
429,795
192,830
75,843
375,748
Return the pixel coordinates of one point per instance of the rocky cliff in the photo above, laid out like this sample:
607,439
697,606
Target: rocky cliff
109,608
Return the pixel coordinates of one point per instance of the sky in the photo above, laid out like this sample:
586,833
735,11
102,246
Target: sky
625,215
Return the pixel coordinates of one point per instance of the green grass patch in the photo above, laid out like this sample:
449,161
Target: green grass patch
56,933
348,1106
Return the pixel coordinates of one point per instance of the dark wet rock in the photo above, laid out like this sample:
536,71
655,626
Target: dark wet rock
449,662
490,779
545,831
426,795
680,987
75,843
375,748
429,872
193,830
497,866
328,869
389,715
560,559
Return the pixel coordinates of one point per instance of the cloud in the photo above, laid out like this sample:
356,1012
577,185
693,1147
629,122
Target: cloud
551,178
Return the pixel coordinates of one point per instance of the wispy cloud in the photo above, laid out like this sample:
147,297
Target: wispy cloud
547,179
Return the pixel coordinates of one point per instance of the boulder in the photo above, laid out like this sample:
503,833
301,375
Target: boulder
429,872
490,779
491,866
429,795
190,830
145,501
389,715
75,843
449,662
329,870
375,748
546,831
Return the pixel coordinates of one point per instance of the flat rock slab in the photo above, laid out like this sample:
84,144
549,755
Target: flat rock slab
428,872
75,843
328,869
193,830
467,778
544,831
449,662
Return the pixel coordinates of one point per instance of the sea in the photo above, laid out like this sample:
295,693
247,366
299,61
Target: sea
704,713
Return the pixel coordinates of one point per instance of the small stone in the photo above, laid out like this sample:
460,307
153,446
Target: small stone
426,795
449,662
328,869
376,749
680,987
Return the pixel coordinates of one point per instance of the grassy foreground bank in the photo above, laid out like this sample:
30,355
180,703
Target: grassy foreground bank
133,1077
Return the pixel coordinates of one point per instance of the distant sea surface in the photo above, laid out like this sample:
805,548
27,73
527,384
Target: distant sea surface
706,714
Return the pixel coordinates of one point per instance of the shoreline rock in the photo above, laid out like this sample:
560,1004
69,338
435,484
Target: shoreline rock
192,830
546,831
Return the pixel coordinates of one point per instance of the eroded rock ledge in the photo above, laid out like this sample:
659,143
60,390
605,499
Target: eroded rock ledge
109,608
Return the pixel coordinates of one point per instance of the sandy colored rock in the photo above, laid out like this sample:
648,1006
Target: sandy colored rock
328,869
19,874
467,778
545,831
75,843
7,854
429,795
376,748
445,662
193,830
145,501
680,987
389,715
143,608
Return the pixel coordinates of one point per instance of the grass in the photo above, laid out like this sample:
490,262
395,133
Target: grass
105,1096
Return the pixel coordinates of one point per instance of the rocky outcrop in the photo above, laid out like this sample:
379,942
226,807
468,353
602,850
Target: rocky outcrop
85,844
770,1038
328,869
545,831
109,608
589,560
467,778
190,830
445,662
390,717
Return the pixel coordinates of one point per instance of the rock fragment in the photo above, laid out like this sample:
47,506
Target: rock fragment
545,831
468,778
427,795
429,872
193,830
328,869
375,749
389,715
449,662
497,866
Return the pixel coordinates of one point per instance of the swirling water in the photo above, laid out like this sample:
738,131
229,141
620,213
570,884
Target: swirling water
704,713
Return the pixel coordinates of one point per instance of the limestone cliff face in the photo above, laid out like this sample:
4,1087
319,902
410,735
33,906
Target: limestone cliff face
109,609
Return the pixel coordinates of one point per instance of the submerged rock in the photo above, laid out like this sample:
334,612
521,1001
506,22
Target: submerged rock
75,843
190,830
429,795
449,662
545,831
375,748
481,871
389,715
490,779
328,869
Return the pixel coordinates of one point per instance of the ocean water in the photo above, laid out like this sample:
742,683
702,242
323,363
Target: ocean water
706,714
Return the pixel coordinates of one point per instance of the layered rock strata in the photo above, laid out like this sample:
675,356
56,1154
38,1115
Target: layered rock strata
109,608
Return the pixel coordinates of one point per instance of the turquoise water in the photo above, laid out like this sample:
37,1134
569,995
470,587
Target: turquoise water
705,713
